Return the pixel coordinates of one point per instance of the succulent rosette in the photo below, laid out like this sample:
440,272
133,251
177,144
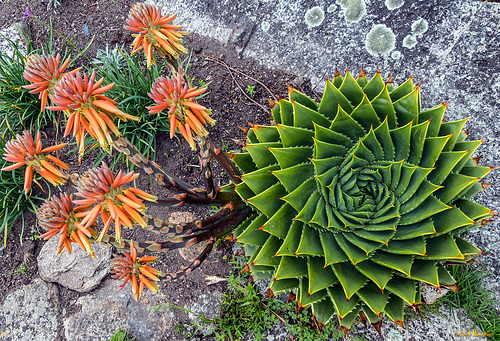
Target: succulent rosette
25,151
153,32
359,199
81,98
44,72
135,270
104,194
175,96
57,216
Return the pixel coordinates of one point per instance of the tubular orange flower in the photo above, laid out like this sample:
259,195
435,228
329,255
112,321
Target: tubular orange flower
57,216
174,95
82,99
44,72
153,32
25,151
113,202
135,271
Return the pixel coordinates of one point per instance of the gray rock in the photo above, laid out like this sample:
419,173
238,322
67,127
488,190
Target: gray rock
77,271
430,293
447,325
12,34
30,313
106,309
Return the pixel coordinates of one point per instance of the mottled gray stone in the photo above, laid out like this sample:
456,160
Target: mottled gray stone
447,325
430,293
78,270
12,33
106,309
30,313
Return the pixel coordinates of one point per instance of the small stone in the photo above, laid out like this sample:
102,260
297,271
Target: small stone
188,253
76,271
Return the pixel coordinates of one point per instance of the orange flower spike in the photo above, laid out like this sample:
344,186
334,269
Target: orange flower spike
174,96
113,201
152,32
57,216
82,100
43,72
25,151
136,271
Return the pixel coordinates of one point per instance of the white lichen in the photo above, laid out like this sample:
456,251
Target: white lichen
265,26
315,16
409,41
380,40
353,10
331,8
419,27
396,55
394,4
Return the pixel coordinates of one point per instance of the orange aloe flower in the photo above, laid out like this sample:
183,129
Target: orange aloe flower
137,271
186,115
25,151
152,32
82,99
57,216
44,72
114,203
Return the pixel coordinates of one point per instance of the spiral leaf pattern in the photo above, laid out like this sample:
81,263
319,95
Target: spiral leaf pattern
359,199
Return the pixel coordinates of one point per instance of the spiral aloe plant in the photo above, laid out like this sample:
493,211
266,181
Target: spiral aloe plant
360,199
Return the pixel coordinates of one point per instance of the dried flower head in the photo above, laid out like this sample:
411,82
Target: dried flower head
153,32
44,72
82,99
57,216
137,271
186,115
114,203
24,151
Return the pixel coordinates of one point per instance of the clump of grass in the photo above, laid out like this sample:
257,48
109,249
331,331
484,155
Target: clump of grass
19,109
21,270
132,83
121,335
477,302
243,312
13,200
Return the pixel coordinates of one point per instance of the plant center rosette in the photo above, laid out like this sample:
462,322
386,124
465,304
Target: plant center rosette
358,199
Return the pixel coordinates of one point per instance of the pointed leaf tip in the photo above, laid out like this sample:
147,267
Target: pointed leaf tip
362,73
337,73
389,80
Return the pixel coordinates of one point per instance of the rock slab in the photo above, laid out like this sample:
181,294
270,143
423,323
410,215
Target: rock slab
76,271
30,313
106,309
